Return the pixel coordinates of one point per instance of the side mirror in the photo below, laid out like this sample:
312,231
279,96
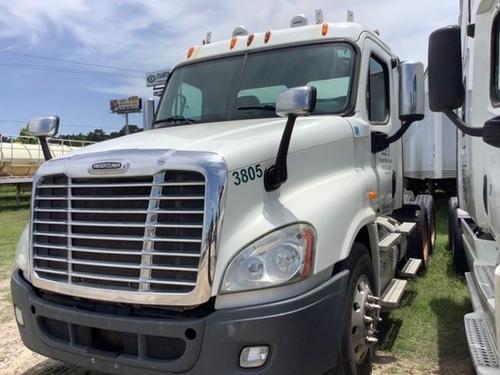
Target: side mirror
411,104
297,101
491,132
44,126
411,92
446,89
294,102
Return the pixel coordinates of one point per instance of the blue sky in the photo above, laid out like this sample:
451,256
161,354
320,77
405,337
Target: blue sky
150,35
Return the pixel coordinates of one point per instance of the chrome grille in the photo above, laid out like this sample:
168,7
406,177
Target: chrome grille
124,233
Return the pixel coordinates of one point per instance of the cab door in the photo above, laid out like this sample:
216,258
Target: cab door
381,112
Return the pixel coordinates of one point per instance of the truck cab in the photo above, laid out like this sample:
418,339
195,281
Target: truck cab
464,84
258,226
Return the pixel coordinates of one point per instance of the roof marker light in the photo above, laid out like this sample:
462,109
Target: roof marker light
267,37
324,29
190,52
250,39
233,42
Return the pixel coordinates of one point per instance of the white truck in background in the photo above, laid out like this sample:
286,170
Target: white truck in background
464,72
430,153
258,228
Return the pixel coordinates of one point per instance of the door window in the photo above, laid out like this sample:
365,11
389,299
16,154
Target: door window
377,93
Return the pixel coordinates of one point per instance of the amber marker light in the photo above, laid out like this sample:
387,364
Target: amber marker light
233,42
372,195
267,37
190,52
250,39
309,258
324,29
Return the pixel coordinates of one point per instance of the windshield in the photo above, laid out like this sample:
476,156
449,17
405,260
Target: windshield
246,86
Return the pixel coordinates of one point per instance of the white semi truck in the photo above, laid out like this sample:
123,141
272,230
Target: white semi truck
429,153
259,228
464,83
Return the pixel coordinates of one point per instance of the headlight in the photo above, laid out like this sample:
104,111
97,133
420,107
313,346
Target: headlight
281,257
22,250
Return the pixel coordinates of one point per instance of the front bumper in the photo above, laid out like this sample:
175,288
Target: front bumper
302,333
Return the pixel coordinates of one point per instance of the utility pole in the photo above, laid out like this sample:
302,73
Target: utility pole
126,124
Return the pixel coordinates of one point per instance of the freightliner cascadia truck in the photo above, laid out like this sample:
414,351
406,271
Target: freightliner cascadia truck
258,228
464,83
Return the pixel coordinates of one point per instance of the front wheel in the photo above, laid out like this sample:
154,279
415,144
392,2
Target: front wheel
360,315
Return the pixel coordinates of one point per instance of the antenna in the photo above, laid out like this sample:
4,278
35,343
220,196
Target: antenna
319,16
350,16
208,38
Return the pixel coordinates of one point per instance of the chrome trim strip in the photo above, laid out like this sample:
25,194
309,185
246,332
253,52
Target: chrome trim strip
81,211
116,238
116,224
64,186
121,198
211,165
122,279
117,252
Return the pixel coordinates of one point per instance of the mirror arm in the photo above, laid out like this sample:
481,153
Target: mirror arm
381,141
462,126
45,148
275,175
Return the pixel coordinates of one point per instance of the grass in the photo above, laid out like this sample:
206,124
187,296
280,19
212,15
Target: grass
13,219
428,325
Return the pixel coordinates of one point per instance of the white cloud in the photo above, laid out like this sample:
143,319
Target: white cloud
153,34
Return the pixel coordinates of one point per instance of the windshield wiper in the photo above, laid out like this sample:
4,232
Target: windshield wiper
262,107
175,119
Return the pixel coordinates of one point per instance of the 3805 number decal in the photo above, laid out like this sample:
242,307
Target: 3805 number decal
247,174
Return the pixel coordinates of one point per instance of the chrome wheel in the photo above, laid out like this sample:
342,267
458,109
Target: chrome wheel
364,316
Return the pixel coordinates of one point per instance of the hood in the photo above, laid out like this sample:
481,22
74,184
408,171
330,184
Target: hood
240,143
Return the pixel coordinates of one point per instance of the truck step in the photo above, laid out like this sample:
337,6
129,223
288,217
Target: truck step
406,228
411,268
393,293
473,292
481,345
389,241
485,276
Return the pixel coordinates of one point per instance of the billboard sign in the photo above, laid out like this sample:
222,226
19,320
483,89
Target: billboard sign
158,78
130,105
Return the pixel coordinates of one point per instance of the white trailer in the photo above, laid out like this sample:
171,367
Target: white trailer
429,151
258,228
464,67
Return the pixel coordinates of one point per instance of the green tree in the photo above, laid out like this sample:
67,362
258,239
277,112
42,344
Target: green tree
25,137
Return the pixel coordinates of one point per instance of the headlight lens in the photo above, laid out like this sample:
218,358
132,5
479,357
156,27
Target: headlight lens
22,250
281,257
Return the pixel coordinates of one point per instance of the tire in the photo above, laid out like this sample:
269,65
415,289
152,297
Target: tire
427,200
419,241
452,205
457,244
356,361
